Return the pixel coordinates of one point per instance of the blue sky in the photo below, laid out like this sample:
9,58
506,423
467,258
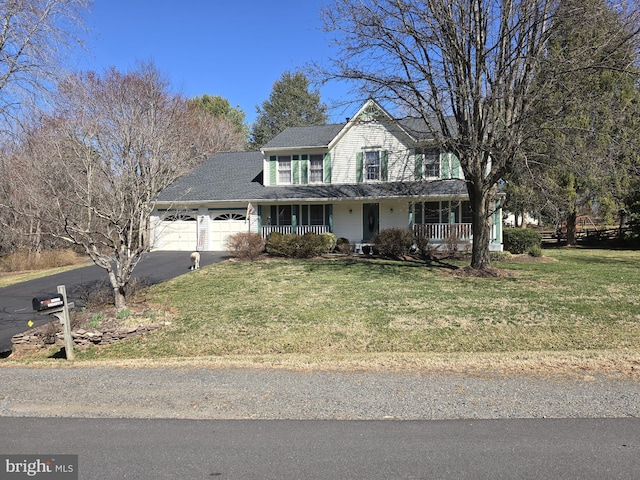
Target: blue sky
236,48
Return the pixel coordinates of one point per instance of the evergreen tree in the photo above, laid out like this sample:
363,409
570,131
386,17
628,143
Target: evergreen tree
290,104
221,108
581,161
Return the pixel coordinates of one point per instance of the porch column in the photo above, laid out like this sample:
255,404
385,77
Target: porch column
260,219
294,219
328,213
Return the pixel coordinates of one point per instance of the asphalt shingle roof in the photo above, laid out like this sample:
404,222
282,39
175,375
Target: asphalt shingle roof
313,136
238,177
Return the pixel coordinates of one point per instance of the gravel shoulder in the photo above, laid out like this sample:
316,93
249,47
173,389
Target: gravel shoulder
246,393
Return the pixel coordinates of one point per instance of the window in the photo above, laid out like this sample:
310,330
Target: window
180,217
285,215
316,214
432,212
432,163
284,169
372,165
467,216
225,217
316,168
427,163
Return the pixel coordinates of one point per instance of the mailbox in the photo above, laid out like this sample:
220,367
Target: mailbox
49,302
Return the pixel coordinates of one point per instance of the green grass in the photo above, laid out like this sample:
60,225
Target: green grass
12,278
585,300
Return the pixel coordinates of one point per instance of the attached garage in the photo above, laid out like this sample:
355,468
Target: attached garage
222,226
198,229
177,232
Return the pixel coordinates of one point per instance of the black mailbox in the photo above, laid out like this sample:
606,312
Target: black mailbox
48,303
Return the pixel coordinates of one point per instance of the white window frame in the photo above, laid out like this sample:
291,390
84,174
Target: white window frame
316,175
372,165
285,169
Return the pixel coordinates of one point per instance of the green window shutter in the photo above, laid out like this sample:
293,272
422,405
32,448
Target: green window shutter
384,166
359,162
455,166
273,167
304,169
327,168
295,168
418,168
445,170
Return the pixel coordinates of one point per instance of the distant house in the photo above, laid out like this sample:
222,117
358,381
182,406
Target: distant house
352,179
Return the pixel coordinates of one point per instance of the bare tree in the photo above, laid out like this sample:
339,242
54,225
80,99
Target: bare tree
34,35
472,60
116,140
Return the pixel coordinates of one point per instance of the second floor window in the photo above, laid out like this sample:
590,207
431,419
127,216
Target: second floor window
372,165
316,168
284,169
432,163
427,163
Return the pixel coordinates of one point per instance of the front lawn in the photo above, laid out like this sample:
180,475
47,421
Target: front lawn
326,309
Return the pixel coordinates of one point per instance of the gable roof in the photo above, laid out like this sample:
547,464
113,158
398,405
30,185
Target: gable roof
301,137
322,136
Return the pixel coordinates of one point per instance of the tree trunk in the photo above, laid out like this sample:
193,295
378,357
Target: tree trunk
482,204
571,228
118,295
118,291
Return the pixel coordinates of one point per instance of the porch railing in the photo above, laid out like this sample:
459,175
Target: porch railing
442,231
299,229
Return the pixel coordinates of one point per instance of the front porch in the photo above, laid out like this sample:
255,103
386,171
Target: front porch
444,231
295,229
432,231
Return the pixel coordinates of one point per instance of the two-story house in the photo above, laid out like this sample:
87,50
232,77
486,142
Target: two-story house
353,179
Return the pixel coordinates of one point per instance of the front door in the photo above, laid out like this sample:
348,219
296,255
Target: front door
370,221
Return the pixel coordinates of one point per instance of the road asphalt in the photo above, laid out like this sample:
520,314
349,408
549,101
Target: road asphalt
15,300
585,449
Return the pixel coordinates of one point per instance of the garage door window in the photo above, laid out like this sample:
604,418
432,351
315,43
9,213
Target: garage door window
229,216
179,217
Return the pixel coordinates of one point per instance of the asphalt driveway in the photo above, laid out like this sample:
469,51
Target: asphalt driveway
15,300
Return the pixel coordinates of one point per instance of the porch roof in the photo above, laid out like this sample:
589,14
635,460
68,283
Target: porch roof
237,177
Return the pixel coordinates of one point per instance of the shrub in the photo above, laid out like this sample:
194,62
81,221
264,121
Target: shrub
520,240
393,242
425,248
296,246
535,251
245,245
452,244
343,246
499,256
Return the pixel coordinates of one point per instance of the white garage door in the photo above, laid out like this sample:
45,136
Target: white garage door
224,225
177,233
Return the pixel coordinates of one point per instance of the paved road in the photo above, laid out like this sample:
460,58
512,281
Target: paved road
288,449
15,300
